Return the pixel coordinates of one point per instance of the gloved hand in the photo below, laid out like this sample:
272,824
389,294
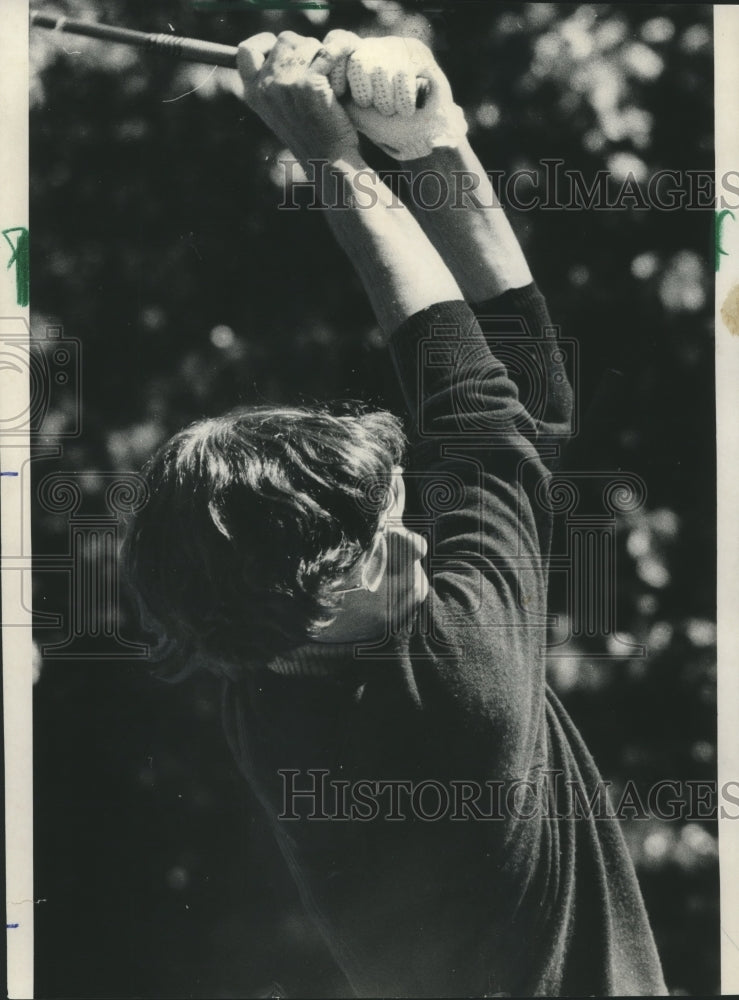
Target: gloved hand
382,75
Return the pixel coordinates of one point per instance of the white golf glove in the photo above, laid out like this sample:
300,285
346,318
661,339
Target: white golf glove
383,75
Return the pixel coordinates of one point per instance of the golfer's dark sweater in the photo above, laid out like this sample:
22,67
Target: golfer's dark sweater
475,899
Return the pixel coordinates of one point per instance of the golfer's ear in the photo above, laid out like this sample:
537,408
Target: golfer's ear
376,564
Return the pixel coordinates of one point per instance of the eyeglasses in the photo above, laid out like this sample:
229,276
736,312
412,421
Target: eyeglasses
382,528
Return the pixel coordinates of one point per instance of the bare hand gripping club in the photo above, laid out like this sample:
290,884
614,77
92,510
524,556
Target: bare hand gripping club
190,49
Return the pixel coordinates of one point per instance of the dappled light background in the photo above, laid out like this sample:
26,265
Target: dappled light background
158,245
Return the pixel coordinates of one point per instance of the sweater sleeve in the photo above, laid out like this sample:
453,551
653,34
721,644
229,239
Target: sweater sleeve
505,371
480,459
519,331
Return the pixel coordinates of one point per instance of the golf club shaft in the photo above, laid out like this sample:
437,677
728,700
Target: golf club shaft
191,49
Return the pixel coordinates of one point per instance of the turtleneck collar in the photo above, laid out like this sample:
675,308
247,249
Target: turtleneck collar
315,659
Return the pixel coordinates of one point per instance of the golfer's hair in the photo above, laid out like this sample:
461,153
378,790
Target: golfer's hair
251,517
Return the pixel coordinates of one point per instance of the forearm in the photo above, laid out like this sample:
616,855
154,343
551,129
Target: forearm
470,229
398,266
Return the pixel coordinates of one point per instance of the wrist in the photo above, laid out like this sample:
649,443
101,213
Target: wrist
444,159
440,141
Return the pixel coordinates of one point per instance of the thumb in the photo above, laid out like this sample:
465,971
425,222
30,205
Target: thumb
252,53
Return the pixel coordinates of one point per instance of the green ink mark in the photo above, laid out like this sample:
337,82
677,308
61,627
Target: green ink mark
229,6
20,258
720,252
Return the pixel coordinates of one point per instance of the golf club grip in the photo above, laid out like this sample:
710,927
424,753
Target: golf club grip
190,49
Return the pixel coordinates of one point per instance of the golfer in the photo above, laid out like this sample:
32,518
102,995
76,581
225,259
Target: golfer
374,593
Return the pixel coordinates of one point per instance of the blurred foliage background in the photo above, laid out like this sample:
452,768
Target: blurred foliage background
157,244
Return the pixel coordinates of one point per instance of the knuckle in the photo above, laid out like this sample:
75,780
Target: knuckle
362,57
